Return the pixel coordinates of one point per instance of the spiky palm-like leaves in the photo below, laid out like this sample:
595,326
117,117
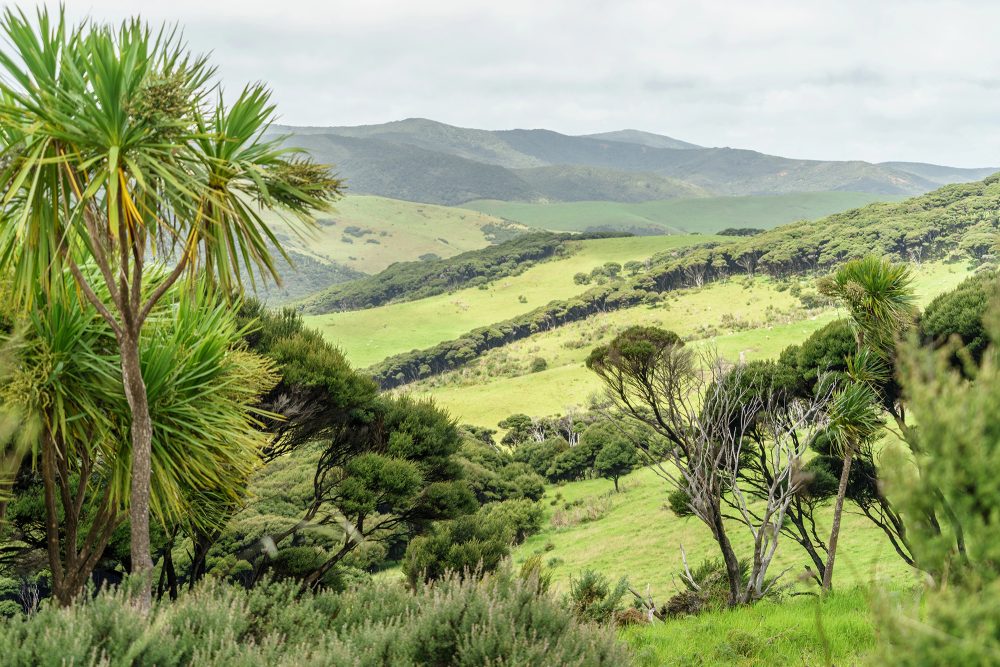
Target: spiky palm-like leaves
115,149
879,295
67,392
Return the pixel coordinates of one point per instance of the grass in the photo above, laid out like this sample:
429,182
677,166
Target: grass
752,320
836,630
399,231
640,538
703,214
368,336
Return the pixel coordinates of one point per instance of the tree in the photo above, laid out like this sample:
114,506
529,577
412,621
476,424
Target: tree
114,152
472,543
392,473
633,267
618,457
879,297
70,401
704,413
960,313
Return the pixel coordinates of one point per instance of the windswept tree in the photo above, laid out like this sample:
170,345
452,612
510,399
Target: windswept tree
704,413
117,150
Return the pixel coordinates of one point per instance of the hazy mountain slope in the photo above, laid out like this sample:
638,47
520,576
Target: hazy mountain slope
479,145
423,160
941,174
569,183
404,171
643,139
721,170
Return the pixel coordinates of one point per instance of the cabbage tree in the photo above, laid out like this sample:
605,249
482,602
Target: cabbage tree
119,151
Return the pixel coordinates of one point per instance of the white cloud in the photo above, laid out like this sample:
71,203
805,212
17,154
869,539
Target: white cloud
899,79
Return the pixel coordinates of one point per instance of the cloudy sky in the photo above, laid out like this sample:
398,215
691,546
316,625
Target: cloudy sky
874,80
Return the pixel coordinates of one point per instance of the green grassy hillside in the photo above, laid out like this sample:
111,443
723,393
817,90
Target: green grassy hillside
705,215
638,536
368,336
738,317
368,234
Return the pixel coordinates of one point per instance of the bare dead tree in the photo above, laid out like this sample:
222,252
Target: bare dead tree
652,378
706,411
788,427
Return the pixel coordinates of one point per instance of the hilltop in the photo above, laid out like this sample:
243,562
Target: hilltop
423,160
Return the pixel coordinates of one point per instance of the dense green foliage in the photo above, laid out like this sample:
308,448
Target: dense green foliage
959,422
473,544
501,620
960,313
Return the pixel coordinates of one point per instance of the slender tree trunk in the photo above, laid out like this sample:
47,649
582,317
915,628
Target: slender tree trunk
838,510
729,558
52,521
142,439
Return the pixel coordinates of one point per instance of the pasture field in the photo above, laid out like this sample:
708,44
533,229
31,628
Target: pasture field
638,536
368,233
806,630
706,215
752,319
369,336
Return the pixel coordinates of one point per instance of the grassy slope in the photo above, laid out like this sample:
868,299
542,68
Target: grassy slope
410,230
566,383
639,537
706,215
798,631
368,336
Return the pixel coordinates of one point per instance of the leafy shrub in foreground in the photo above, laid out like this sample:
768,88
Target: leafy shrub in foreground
498,620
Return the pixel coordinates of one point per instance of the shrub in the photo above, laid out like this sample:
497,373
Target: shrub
501,619
469,544
522,517
538,364
705,588
592,598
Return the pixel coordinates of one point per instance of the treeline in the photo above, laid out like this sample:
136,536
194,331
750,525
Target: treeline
410,366
955,222
408,281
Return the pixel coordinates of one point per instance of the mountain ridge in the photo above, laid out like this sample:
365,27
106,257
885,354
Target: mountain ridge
423,160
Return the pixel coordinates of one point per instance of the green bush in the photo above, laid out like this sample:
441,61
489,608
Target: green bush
522,517
499,620
592,598
468,544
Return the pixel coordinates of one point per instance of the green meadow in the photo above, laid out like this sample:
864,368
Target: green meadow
740,318
368,233
368,336
689,215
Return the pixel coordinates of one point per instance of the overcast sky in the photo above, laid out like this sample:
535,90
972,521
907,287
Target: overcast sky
875,80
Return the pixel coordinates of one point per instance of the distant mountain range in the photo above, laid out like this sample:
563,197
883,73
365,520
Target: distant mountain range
426,161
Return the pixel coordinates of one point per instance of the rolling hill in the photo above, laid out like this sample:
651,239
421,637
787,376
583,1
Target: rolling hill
423,160
366,234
